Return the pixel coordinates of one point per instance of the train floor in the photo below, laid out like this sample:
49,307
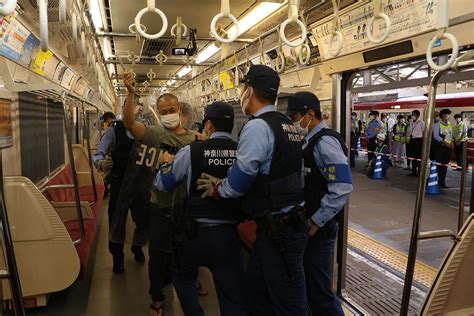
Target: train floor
378,239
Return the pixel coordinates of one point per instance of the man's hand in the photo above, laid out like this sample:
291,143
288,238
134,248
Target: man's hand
129,82
166,157
100,166
313,228
210,185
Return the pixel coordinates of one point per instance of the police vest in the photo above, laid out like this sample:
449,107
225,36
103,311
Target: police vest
399,133
282,186
458,131
122,149
213,156
316,187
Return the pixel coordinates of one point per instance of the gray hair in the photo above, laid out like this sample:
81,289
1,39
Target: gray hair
190,113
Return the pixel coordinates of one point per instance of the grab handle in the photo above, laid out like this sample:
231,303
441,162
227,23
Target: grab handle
225,13
151,7
7,8
378,14
443,23
293,8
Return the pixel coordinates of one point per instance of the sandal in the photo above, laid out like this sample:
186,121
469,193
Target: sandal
201,290
157,309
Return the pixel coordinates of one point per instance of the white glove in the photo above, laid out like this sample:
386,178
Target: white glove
210,185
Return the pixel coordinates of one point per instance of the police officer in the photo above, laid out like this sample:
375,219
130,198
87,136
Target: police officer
267,173
461,136
211,238
328,184
119,143
442,144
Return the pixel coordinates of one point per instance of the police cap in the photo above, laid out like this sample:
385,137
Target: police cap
221,115
302,102
108,115
263,78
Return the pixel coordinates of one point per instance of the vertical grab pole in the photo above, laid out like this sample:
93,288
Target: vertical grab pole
86,135
420,195
463,186
67,127
12,276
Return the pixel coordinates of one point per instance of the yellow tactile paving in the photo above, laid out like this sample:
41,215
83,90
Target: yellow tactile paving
397,260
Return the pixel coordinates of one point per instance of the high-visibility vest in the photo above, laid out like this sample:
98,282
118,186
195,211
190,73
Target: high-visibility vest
384,129
446,132
399,133
458,131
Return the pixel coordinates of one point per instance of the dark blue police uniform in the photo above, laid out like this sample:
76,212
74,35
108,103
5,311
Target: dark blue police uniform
267,174
210,236
328,184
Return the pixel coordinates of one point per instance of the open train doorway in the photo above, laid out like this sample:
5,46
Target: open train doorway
378,107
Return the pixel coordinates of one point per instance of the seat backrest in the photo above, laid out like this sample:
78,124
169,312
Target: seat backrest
453,289
81,159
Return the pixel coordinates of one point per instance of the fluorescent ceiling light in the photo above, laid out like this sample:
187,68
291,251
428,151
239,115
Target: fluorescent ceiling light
107,48
254,17
96,14
184,71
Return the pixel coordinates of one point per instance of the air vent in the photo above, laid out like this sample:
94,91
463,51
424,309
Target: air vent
53,11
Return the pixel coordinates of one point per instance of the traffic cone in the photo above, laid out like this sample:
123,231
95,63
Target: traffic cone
378,174
432,188
358,146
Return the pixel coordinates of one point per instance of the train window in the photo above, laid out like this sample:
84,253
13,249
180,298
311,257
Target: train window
41,136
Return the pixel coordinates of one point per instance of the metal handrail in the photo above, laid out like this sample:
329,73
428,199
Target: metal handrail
423,179
13,276
86,135
73,171
56,187
462,186
438,234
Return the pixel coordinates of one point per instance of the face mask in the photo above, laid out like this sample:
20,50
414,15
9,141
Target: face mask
402,121
447,117
245,99
459,120
302,130
170,121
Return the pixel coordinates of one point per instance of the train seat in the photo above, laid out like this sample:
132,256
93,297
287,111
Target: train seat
45,254
248,233
451,292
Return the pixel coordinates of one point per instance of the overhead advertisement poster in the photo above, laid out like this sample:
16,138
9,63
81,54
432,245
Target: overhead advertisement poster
13,41
30,48
5,23
40,62
408,18
6,130
59,73
80,87
50,67
68,79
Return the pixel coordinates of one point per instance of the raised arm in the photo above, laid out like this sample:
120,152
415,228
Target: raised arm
135,128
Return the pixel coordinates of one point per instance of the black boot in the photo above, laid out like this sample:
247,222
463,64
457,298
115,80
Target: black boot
116,249
139,255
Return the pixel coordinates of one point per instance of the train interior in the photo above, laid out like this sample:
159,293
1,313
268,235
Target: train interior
400,249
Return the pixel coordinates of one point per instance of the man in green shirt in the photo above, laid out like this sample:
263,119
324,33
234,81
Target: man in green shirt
163,140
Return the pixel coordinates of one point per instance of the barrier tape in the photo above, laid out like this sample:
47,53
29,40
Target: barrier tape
409,158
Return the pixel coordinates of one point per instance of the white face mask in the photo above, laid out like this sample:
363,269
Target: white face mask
402,121
170,121
245,99
459,120
448,117
302,130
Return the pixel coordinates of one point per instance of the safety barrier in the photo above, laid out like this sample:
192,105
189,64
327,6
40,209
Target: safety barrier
408,158
293,13
151,7
225,13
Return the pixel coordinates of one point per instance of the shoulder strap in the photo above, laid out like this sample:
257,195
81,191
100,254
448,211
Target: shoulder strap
327,132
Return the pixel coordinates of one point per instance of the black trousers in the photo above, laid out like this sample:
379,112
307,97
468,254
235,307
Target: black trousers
160,250
442,155
353,148
138,208
371,146
416,148
217,248
458,149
